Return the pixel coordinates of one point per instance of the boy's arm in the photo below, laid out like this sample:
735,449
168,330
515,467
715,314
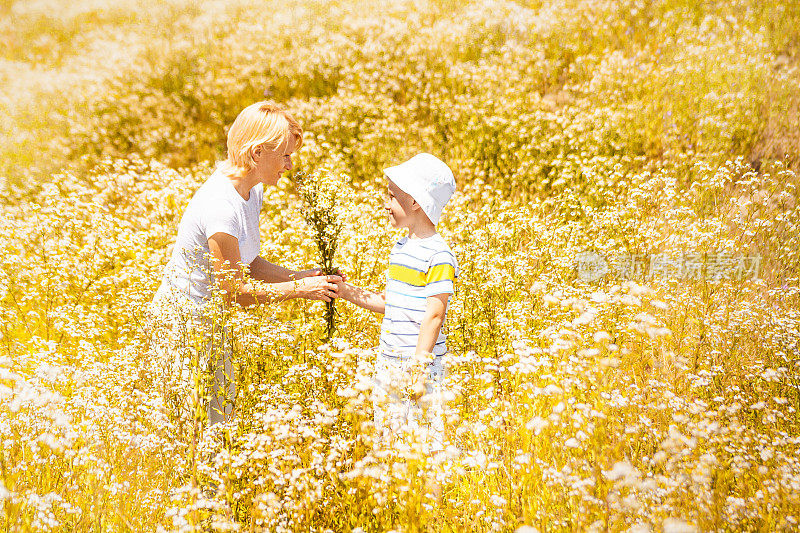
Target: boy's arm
431,324
369,300
429,328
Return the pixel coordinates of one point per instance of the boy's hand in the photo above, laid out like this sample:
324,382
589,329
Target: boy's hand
419,375
417,388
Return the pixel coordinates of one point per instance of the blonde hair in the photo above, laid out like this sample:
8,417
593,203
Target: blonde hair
263,124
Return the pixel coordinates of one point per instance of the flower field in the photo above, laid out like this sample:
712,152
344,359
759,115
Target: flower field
624,334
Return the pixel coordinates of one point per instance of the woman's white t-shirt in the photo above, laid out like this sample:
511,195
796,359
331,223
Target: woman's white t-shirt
215,207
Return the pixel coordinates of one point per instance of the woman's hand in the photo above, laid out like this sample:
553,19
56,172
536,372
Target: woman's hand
318,272
324,288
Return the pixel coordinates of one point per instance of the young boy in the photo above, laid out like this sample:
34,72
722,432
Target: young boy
419,281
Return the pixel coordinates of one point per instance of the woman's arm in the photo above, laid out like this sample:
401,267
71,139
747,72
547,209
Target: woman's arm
369,300
227,264
263,270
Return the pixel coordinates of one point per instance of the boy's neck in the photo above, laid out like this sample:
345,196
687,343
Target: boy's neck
422,228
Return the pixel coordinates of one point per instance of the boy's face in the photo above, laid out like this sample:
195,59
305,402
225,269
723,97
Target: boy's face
399,206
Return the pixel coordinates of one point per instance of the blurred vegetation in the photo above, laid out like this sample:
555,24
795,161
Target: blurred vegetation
519,94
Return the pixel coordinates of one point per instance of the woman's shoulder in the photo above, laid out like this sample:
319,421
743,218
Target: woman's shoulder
214,193
214,184
211,206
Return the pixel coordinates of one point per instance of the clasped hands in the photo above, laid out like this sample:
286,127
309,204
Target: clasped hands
314,285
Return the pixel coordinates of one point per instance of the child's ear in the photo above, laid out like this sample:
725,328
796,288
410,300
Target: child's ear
414,205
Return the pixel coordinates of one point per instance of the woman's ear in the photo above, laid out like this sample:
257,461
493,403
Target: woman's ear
256,152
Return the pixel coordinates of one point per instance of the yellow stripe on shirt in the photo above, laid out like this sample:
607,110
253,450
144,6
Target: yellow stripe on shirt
420,279
406,275
440,273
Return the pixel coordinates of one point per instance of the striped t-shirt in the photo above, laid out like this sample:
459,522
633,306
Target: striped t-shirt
418,268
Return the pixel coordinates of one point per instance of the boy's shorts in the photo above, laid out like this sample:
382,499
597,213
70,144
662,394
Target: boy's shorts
396,413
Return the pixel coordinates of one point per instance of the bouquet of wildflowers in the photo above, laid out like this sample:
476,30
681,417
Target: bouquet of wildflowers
321,193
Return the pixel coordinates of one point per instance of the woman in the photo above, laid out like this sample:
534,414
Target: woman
219,241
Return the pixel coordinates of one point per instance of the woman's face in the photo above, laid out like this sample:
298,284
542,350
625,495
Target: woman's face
270,164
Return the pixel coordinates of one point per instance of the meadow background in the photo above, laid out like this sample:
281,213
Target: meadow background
656,403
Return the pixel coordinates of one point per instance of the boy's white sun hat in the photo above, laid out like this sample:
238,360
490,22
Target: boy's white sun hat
428,180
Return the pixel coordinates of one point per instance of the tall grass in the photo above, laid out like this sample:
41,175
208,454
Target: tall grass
660,403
